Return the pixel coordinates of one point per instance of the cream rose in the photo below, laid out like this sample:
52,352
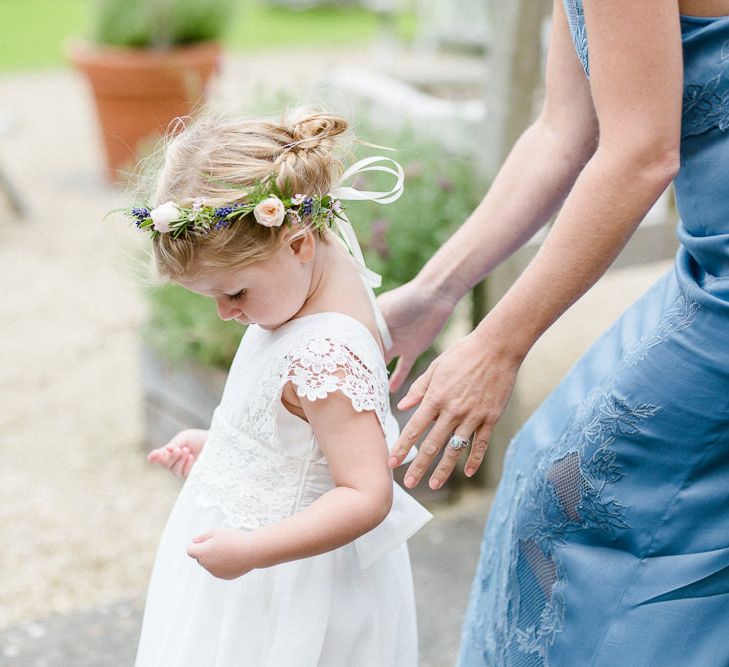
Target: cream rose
163,215
270,212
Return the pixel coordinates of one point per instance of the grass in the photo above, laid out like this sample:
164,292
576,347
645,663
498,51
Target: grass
33,32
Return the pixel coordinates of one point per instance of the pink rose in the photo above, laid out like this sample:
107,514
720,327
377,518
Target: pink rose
270,212
163,215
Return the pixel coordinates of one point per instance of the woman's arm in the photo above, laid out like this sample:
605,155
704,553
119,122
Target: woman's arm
356,453
533,182
636,83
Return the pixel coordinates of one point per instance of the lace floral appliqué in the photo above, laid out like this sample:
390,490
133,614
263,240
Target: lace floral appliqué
677,318
570,495
250,483
324,365
705,107
576,19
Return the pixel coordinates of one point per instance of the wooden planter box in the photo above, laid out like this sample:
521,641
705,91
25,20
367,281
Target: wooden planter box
177,396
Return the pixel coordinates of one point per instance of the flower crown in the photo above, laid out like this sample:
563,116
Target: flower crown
270,208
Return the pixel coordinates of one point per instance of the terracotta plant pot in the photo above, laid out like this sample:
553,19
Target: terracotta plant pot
139,91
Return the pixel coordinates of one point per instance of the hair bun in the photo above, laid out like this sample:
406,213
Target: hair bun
307,161
311,129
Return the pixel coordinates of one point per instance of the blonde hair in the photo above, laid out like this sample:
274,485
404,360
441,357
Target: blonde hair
217,160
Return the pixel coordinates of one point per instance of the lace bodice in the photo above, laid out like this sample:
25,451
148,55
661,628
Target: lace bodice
261,463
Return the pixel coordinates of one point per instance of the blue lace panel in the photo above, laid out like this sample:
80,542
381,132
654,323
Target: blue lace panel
572,490
706,106
576,19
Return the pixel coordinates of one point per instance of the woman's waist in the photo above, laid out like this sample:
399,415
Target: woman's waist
709,294
708,252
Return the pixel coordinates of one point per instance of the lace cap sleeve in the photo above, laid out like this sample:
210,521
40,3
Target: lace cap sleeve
324,364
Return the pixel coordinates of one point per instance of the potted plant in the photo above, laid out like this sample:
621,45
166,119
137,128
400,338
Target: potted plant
148,62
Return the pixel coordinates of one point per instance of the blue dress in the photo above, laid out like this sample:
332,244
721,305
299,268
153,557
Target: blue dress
608,540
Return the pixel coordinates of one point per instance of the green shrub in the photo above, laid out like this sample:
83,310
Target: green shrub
160,23
441,191
184,326
397,240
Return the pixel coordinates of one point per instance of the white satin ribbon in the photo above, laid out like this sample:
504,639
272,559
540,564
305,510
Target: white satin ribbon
346,232
370,164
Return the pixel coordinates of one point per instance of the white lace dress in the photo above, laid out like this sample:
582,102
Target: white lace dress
353,606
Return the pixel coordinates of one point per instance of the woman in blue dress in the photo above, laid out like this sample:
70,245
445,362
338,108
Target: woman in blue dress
608,540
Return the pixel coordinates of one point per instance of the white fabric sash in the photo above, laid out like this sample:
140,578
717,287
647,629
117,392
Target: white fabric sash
344,192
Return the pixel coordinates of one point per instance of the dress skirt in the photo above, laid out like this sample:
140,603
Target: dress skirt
608,541
325,611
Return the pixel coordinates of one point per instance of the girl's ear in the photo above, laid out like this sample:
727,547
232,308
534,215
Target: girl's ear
304,246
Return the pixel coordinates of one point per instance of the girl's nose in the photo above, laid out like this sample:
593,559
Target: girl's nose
226,310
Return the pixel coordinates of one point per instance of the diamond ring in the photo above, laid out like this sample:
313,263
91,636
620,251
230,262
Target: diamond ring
457,442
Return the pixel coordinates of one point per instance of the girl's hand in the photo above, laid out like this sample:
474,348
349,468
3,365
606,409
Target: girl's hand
414,318
464,391
224,552
180,453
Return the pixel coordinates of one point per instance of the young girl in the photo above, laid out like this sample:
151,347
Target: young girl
287,544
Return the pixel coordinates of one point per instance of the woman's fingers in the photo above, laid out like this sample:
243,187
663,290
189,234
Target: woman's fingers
447,463
478,449
422,418
451,456
431,445
417,390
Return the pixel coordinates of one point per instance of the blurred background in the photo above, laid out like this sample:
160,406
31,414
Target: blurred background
98,364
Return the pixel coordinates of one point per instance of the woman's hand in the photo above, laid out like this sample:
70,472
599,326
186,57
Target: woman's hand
224,552
180,453
464,391
414,317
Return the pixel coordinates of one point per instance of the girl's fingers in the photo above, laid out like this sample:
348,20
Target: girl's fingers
179,463
478,450
188,465
169,456
450,457
160,456
176,441
198,547
428,449
203,537
416,426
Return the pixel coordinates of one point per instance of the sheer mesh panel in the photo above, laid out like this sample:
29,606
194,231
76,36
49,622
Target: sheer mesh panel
568,483
537,611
